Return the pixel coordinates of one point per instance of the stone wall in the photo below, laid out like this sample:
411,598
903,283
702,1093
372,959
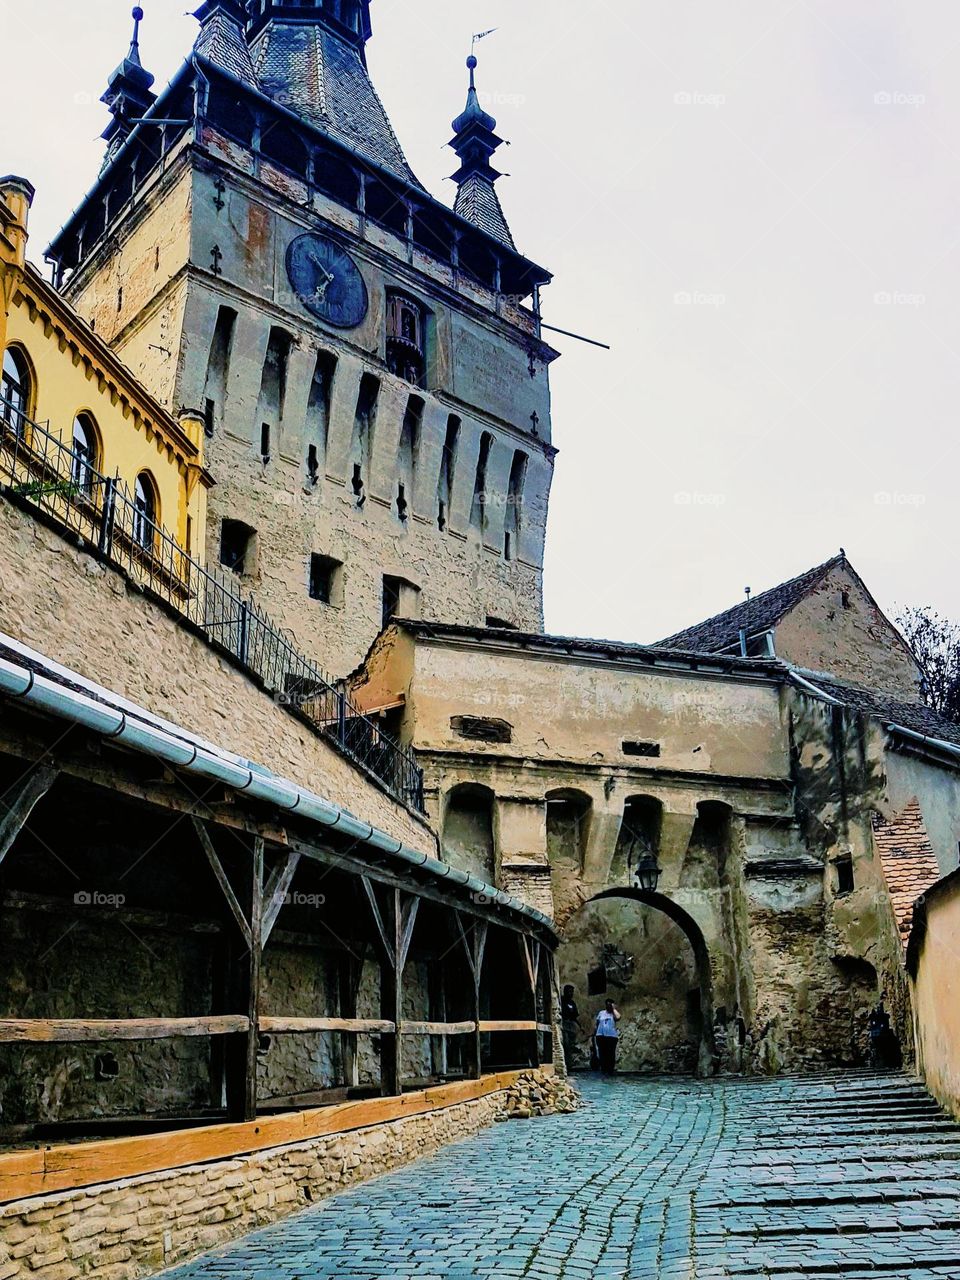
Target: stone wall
935,981
103,972
131,1228
60,600
838,627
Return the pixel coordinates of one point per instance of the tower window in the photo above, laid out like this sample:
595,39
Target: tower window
406,339
845,879
237,547
265,441
313,464
448,465
401,599
478,515
324,579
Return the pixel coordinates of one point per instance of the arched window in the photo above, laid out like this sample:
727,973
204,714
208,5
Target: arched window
146,514
86,453
15,390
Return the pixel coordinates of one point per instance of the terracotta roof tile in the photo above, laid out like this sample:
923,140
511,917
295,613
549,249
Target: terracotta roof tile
908,861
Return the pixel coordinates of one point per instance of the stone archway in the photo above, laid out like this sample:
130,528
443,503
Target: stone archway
648,954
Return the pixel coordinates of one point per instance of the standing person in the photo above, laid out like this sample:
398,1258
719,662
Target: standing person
879,1029
606,1036
569,1017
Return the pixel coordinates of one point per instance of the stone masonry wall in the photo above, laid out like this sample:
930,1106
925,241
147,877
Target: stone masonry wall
63,602
839,628
133,1227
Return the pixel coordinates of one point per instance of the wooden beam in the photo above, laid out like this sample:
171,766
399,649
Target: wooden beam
225,885
65,1167
275,894
299,1026
409,919
509,1026
81,1030
388,938
19,801
437,1028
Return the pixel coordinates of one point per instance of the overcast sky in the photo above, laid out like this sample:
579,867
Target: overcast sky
755,202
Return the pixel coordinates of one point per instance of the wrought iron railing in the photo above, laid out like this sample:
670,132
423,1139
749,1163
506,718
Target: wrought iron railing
39,469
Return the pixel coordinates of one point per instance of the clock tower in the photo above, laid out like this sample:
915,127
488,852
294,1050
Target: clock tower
368,360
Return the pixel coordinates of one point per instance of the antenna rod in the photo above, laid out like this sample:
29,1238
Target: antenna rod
579,336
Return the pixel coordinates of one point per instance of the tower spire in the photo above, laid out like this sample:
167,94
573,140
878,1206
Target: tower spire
128,93
475,141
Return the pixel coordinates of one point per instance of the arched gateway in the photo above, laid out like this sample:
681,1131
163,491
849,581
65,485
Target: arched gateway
644,951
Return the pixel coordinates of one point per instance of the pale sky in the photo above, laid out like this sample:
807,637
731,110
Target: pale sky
755,202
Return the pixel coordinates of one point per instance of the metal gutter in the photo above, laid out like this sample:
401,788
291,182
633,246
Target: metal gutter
936,744
809,687
135,728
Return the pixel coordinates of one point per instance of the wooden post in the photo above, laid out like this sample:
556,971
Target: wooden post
437,996
530,951
349,975
254,966
243,963
474,944
394,929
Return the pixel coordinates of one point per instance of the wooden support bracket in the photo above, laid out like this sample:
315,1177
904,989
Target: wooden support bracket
225,885
19,802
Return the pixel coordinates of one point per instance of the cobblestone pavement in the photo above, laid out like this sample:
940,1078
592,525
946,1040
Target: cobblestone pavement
836,1175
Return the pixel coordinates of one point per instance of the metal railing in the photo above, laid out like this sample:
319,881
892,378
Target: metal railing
37,468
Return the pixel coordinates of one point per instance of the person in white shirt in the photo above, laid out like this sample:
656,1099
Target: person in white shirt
606,1036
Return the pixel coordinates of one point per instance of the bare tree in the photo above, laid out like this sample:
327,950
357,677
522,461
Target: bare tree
935,643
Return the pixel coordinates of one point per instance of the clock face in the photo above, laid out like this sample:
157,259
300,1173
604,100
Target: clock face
327,281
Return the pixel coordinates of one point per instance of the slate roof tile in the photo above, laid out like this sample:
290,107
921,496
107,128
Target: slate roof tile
478,202
221,42
756,616
321,77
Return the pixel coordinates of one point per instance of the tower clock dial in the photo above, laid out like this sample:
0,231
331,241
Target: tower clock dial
327,281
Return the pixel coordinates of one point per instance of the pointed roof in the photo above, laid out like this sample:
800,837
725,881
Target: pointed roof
759,614
909,863
475,141
222,40
311,70
128,92
478,202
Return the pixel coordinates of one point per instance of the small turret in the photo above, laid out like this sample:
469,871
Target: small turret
475,141
128,93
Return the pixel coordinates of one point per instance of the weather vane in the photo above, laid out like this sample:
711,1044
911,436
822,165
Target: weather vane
481,35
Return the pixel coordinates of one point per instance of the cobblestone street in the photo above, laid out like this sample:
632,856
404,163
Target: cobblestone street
853,1175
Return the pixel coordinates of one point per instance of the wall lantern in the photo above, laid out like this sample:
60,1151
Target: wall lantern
642,864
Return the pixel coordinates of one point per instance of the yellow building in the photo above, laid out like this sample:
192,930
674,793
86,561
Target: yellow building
77,431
